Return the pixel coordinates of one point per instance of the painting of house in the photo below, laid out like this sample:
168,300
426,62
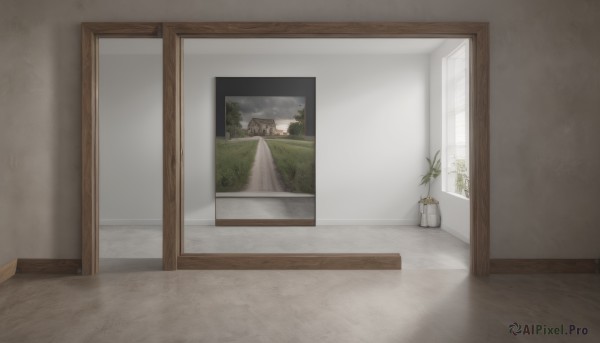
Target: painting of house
261,127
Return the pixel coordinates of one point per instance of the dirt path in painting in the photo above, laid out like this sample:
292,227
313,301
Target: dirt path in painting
264,176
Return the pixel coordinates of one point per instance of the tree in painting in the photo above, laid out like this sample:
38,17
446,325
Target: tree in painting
297,128
233,118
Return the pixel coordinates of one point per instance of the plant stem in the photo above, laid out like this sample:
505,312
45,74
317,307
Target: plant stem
428,189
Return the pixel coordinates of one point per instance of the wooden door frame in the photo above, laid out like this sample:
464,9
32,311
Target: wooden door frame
90,35
173,33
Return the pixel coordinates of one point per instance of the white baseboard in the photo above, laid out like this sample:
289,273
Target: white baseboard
152,222
376,222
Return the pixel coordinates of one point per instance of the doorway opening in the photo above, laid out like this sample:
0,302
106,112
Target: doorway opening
173,34
378,116
130,154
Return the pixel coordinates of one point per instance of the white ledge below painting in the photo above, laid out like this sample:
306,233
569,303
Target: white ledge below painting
320,222
263,195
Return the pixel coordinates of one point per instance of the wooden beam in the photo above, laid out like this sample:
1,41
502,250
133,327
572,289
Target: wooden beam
290,261
89,149
49,266
479,150
125,29
326,29
172,148
265,222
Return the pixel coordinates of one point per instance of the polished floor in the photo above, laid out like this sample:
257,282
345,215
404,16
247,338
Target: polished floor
131,300
420,306
420,248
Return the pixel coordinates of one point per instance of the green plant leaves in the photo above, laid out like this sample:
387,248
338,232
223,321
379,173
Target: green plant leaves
433,173
435,169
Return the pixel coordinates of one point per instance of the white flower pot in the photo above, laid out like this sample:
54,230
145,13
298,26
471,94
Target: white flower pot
430,215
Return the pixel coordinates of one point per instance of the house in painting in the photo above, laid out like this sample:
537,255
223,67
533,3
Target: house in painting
261,127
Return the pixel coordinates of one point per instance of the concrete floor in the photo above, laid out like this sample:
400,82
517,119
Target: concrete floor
420,248
421,306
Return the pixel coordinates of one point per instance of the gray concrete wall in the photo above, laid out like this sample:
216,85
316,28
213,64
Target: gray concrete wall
544,111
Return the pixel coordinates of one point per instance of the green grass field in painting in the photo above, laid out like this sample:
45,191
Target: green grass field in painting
295,162
234,161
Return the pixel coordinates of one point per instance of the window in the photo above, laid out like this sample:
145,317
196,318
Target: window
455,109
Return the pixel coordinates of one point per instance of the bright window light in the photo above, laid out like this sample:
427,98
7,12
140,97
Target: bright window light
455,108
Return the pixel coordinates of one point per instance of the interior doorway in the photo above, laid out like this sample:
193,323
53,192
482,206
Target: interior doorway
130,154
408,85
378,116
174,256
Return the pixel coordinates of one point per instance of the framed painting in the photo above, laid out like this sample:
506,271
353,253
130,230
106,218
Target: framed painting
265,151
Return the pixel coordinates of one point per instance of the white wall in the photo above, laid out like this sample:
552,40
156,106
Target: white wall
130,138
455,210
372,133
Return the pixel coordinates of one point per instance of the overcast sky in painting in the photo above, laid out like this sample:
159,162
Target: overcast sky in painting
281,108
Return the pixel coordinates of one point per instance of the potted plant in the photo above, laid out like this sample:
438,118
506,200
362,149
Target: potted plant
428,206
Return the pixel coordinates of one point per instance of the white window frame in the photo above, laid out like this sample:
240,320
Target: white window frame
447,168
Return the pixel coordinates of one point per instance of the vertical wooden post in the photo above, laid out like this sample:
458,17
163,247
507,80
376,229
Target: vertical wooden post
172,186
480,155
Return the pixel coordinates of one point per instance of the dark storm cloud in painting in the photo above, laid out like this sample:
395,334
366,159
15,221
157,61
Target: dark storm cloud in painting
281,108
